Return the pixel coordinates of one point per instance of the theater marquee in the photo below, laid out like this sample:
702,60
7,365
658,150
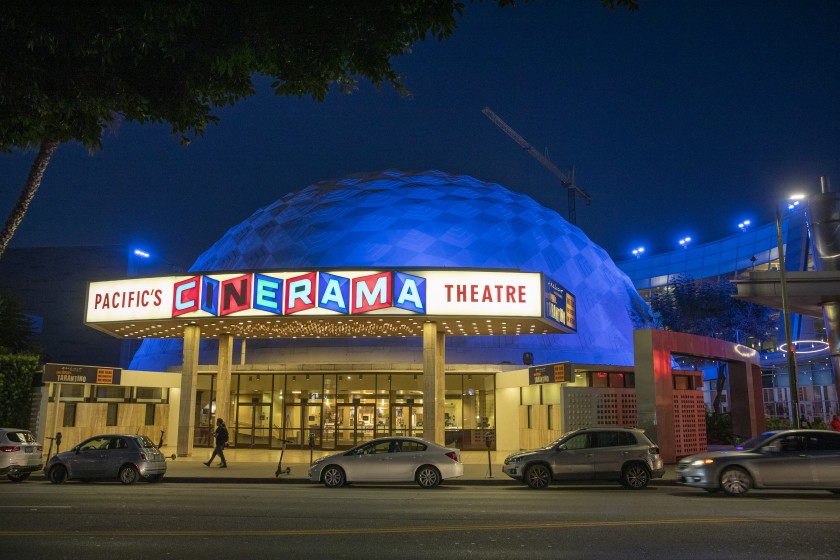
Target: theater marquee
264,303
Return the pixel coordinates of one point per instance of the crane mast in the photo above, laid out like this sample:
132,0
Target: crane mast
568,181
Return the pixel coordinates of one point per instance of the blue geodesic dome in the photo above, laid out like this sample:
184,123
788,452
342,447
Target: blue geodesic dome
396,219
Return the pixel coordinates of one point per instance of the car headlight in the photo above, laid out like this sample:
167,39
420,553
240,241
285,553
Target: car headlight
510,460
701,462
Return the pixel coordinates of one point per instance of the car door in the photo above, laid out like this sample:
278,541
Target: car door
609,453
824,448
406,457
118,453
574,459
787,464
372,463
89,461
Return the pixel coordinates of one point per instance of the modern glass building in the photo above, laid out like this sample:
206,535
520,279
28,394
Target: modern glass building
733,258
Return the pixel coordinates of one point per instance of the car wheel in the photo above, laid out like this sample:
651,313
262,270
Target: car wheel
57,474
735,481
428,476
635,476
333,477
537,476
18,477
128,474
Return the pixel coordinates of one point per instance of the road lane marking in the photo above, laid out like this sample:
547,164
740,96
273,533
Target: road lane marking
415,529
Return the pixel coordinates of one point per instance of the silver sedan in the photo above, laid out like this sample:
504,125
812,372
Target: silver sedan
389,459
789,459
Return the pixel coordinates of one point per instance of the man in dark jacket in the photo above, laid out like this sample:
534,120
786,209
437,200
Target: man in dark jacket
221,435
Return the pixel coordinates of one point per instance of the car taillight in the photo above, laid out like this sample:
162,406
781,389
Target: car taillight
452,455
143,456
9,448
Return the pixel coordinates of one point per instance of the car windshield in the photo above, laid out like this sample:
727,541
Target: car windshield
755,442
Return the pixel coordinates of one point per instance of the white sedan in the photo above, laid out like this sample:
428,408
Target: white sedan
389,459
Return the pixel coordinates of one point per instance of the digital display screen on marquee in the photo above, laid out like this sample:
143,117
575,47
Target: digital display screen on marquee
451,293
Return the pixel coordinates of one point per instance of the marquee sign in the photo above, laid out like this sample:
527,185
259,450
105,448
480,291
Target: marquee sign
333,293
65,373
550,373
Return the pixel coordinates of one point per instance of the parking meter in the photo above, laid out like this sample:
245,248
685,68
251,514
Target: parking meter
57,442
488,441
311,444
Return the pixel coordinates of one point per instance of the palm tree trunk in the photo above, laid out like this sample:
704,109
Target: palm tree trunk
33,181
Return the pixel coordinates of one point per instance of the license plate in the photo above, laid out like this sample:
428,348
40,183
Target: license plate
28,449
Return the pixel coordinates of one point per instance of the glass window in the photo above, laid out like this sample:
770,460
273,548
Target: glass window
580,441
607,439
111,416
69,419
72,392
530,395
356,386
151,394
409,446
150,414
626,438
96,443
112,393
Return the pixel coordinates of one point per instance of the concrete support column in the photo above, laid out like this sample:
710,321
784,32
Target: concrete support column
223,377
434,383
189,381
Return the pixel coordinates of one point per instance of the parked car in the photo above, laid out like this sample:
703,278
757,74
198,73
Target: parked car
390,459
126,458
625,455
20,454
788,459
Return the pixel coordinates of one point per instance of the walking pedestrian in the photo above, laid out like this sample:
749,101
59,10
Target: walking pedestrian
835,423
221,435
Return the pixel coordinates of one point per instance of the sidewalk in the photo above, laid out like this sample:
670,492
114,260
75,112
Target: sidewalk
257,466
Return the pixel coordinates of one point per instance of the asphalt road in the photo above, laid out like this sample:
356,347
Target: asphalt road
111,521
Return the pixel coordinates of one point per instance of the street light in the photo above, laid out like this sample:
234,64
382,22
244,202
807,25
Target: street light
744,225
638,252
684,242
791,350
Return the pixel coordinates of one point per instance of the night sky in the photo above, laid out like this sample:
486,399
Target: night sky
681,119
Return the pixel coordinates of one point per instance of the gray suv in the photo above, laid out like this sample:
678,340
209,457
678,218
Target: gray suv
625,455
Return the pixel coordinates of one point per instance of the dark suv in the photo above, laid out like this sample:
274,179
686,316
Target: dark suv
625,455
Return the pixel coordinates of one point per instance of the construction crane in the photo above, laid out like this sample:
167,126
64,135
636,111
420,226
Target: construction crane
567,181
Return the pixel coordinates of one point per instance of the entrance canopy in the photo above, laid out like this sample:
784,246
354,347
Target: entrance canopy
333,303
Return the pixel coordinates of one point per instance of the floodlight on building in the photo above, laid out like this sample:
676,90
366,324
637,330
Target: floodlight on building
744,225
684,242
141,253
638,252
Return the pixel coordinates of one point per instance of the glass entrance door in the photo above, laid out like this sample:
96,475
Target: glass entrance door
253,428
407,420
355,424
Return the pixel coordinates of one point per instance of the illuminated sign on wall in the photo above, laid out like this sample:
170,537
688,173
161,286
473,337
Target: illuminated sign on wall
550,373
332,293
64,373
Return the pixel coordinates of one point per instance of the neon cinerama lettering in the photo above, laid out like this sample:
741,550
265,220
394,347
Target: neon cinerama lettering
312,290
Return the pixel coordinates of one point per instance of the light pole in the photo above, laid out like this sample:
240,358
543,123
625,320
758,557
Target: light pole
791,351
